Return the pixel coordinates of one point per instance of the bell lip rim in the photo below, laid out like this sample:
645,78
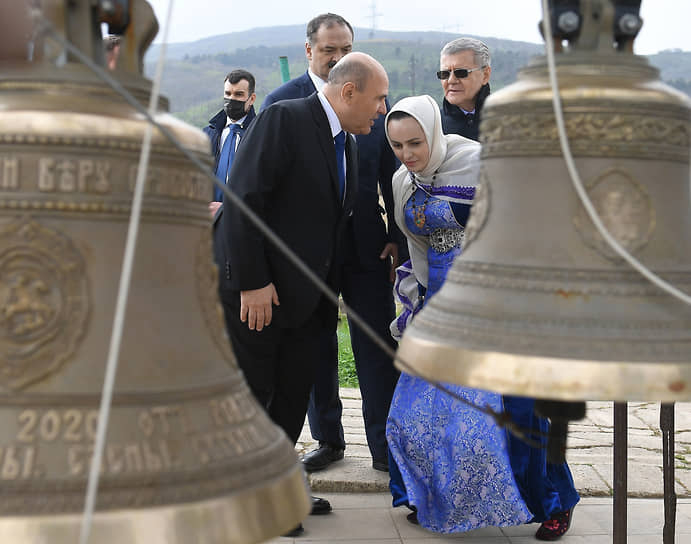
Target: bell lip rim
165,521
533,375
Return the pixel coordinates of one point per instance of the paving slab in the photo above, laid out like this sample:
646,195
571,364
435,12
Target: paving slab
589,481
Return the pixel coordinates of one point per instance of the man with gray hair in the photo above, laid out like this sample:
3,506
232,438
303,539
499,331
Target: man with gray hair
464,70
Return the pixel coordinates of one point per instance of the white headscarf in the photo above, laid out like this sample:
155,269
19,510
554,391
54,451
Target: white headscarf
454,163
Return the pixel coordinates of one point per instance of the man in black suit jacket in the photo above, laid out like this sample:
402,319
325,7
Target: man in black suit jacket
238,109
286,170
366,258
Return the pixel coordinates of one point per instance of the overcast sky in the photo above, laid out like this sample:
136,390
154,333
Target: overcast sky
666,22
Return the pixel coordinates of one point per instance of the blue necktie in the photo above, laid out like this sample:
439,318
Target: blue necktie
339,142
225,161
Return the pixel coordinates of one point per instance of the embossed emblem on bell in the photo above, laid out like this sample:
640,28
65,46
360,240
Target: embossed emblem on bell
189,455
538,304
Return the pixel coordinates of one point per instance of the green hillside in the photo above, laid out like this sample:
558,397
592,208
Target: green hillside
295,35
194,83
193,78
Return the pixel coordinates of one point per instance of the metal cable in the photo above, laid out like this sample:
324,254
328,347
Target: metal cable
501,418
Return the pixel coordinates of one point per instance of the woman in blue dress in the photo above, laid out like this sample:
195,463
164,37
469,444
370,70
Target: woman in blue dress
449,462
452,460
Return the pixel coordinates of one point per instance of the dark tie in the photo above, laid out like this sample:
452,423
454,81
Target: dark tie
339,142
225,160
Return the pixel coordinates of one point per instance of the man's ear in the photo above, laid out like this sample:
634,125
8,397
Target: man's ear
252,98
347,91
308,51
485,74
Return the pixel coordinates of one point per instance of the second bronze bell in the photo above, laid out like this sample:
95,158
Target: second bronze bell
538,304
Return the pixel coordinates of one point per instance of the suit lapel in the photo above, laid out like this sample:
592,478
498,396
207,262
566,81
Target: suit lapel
326,143
351,172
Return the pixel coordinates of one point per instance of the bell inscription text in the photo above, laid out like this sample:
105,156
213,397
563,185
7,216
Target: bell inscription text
166,438
61,181
9,173
73,176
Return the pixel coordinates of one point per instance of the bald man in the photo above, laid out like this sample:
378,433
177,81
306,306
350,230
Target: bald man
297,169
368,257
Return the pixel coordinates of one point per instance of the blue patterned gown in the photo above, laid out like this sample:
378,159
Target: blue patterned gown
453,459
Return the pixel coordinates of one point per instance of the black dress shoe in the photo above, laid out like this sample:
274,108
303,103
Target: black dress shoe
320,506
295,532
321,458
380,464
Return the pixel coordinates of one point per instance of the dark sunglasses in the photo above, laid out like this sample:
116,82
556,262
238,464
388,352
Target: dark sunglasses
460,73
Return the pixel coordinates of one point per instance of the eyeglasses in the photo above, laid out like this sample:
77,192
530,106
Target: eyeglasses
460,73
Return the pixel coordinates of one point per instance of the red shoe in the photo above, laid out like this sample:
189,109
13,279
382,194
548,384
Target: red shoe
555,527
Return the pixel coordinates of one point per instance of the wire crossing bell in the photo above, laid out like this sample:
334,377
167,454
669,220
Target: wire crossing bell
189,457
538,304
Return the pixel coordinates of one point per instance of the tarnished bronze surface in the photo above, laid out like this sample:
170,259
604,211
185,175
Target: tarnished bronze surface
189,456
538,304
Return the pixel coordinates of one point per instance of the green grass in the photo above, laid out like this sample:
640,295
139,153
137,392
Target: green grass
347,376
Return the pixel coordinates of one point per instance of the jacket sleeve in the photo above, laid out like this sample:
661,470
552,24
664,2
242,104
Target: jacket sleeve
255,174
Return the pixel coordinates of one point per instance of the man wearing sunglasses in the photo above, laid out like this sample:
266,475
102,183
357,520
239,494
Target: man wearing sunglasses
464,70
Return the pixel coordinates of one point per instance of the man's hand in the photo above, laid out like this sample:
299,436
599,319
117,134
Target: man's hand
391,250
213,208
255,306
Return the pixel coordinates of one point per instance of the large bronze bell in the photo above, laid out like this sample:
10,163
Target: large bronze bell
190,456
538,304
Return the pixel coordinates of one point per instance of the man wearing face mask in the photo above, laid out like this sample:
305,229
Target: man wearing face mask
225,130
227,127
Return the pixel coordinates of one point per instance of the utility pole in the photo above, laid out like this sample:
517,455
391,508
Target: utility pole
373,16
412,63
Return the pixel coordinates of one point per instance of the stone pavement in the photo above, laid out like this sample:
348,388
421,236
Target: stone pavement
589,454
368,518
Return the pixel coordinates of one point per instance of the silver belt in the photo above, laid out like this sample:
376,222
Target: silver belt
442,240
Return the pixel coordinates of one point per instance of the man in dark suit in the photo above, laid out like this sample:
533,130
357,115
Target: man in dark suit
231,122
297,169
464,72
368,257
225,130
